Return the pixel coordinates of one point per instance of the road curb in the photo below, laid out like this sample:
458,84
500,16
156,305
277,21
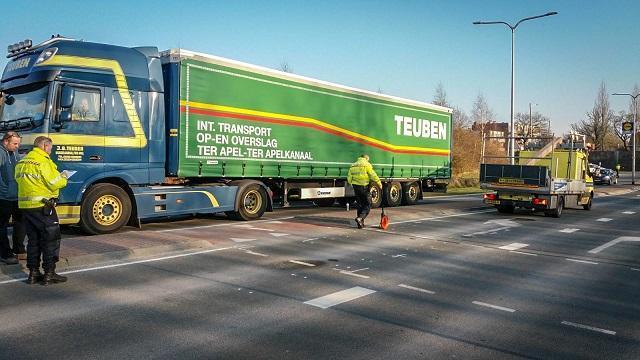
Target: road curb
8,272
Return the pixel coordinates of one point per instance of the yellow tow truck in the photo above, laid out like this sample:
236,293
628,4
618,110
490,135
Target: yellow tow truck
548,180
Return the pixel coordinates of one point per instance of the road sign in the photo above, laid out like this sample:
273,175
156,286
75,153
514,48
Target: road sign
627,127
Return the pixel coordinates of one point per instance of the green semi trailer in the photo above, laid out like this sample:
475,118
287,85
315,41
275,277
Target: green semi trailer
153,134
300,135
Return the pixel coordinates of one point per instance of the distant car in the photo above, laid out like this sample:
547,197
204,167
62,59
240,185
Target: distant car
605,176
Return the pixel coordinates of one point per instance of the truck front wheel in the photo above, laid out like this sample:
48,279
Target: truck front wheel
252,203
105,209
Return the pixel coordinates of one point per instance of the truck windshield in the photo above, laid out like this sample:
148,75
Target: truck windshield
24,107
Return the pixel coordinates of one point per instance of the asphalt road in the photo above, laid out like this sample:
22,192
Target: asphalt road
451,278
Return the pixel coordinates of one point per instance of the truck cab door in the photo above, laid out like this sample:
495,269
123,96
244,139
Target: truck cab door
118,124
78,134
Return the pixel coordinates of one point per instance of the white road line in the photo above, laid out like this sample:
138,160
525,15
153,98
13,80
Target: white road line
354,271
278,234
310,239
241,239
494,306
523,253
339,297
260,229
568,230
634,269
587,327
417,289
514,246
604,219
629,212
222,225
582,261
350,273
443,217
255,253
614,242
301,263
399,255
128,263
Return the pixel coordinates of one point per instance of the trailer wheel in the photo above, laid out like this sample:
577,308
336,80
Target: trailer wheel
325,202
410,193
252,204
557,212
392,194
105,209
376,196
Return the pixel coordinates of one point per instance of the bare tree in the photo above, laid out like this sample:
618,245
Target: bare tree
460,119
482,114
284,66
440,96
527,127
617,128
598,122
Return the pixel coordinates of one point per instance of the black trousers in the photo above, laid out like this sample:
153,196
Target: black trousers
364,200
9,209
43,231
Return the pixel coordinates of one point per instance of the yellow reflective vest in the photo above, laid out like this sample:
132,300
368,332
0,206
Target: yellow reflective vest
38,178
361,173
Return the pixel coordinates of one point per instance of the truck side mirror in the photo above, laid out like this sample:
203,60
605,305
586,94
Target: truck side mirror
63,117
66,97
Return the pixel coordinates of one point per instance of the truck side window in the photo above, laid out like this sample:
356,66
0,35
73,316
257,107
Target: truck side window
86,105
119,114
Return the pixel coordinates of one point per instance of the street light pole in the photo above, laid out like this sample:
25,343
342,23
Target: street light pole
513,78
635,120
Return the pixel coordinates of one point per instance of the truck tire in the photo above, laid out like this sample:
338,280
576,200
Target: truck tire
252,203
505,209
392,194
410,193
588,205
105,208
325,202
376,196
557,212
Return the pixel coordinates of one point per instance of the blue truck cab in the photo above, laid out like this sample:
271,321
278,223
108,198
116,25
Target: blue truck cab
111,113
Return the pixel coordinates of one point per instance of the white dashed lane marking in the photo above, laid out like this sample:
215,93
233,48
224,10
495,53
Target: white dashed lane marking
587,327
327,301
417,289
496,307
583,261
568,230
614,242
629,212
514,246
604,219
301,263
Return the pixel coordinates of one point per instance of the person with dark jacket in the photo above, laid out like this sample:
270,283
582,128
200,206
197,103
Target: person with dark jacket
9,200
360,176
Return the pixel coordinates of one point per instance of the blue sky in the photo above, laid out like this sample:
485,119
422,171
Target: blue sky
403,48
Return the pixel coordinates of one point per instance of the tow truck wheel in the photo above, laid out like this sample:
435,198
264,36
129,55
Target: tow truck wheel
392,194
557,212
376,196
410,193
105,209
588,205
253,203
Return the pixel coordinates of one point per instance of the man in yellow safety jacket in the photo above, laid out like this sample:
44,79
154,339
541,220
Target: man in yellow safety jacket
360,176
39,183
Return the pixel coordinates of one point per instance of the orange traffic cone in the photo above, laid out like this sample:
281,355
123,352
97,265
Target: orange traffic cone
384,220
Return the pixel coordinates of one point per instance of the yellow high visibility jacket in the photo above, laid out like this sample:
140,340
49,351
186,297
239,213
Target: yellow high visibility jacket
38,178
361,173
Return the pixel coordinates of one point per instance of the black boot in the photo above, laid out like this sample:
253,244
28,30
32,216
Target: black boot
50,277
35,276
